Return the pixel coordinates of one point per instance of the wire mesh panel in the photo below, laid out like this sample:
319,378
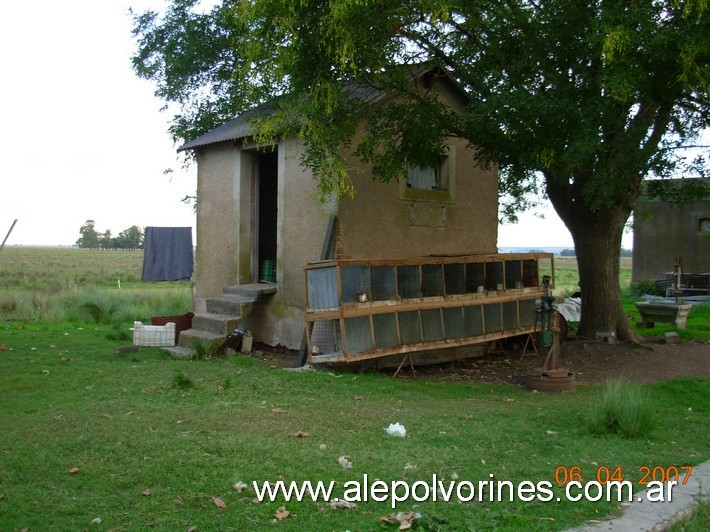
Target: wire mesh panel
355,281
530,276
410,327
494,276
322,288
454,279
492,317
475,276
528,310
513,274
510,315
358,335
431,325
454,324
384,283
432,280
385,326
408,282
474,320
325,337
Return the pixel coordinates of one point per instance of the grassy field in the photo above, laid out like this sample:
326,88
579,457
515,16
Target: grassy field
140,440
94,439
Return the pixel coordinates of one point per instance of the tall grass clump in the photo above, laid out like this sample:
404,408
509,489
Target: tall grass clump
621,408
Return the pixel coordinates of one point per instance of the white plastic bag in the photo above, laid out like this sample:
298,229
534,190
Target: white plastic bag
395,429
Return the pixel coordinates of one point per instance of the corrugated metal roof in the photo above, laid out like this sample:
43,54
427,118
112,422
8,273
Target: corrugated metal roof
241,126
237,128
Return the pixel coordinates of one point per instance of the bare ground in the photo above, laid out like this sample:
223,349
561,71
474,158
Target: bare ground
592,361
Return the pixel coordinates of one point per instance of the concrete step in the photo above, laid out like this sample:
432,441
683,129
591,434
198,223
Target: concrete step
221,324
234,305
189,336
250,290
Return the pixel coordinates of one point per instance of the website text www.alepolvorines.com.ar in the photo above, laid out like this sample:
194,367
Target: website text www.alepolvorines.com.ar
436,489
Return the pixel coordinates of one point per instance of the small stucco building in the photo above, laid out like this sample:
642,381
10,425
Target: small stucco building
260,222
664,232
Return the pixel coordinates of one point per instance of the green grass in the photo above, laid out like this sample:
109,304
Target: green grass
622,408
152,449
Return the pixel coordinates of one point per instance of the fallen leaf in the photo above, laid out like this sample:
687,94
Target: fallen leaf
299,434
220,388
219,503
240,486
468,417
322,446
483,461
278,410
359,398
74,470
282,513
96,521
255,501
510,400
146,492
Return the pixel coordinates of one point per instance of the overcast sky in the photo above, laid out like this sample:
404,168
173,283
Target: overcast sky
83,137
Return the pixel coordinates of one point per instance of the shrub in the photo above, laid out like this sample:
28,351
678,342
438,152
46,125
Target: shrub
622,408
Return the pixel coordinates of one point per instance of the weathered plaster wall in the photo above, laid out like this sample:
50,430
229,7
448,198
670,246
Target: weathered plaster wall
667,233
379,223
216,227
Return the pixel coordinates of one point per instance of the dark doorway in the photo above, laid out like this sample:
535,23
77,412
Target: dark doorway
267,194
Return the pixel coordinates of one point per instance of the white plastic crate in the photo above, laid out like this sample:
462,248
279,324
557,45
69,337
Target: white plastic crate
154,335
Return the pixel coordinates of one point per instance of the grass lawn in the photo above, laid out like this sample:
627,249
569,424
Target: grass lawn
141,439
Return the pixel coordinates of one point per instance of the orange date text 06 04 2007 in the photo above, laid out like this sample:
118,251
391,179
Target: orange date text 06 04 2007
604,474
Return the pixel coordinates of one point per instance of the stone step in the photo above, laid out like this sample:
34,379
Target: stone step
221,324
250,290
189,336
232,305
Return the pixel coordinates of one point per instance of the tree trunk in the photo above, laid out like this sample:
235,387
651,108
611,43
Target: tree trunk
597,239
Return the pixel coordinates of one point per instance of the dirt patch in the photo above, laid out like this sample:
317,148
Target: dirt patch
592,361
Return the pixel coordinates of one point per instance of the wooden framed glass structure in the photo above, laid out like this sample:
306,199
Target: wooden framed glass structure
366,309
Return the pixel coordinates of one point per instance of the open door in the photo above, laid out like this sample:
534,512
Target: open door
265,219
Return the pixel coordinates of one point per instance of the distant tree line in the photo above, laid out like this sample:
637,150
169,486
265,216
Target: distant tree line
573,253
89,237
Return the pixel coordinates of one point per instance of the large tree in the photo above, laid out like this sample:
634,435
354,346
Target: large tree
578,99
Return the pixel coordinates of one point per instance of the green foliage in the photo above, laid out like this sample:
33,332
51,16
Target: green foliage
182,381
622,408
